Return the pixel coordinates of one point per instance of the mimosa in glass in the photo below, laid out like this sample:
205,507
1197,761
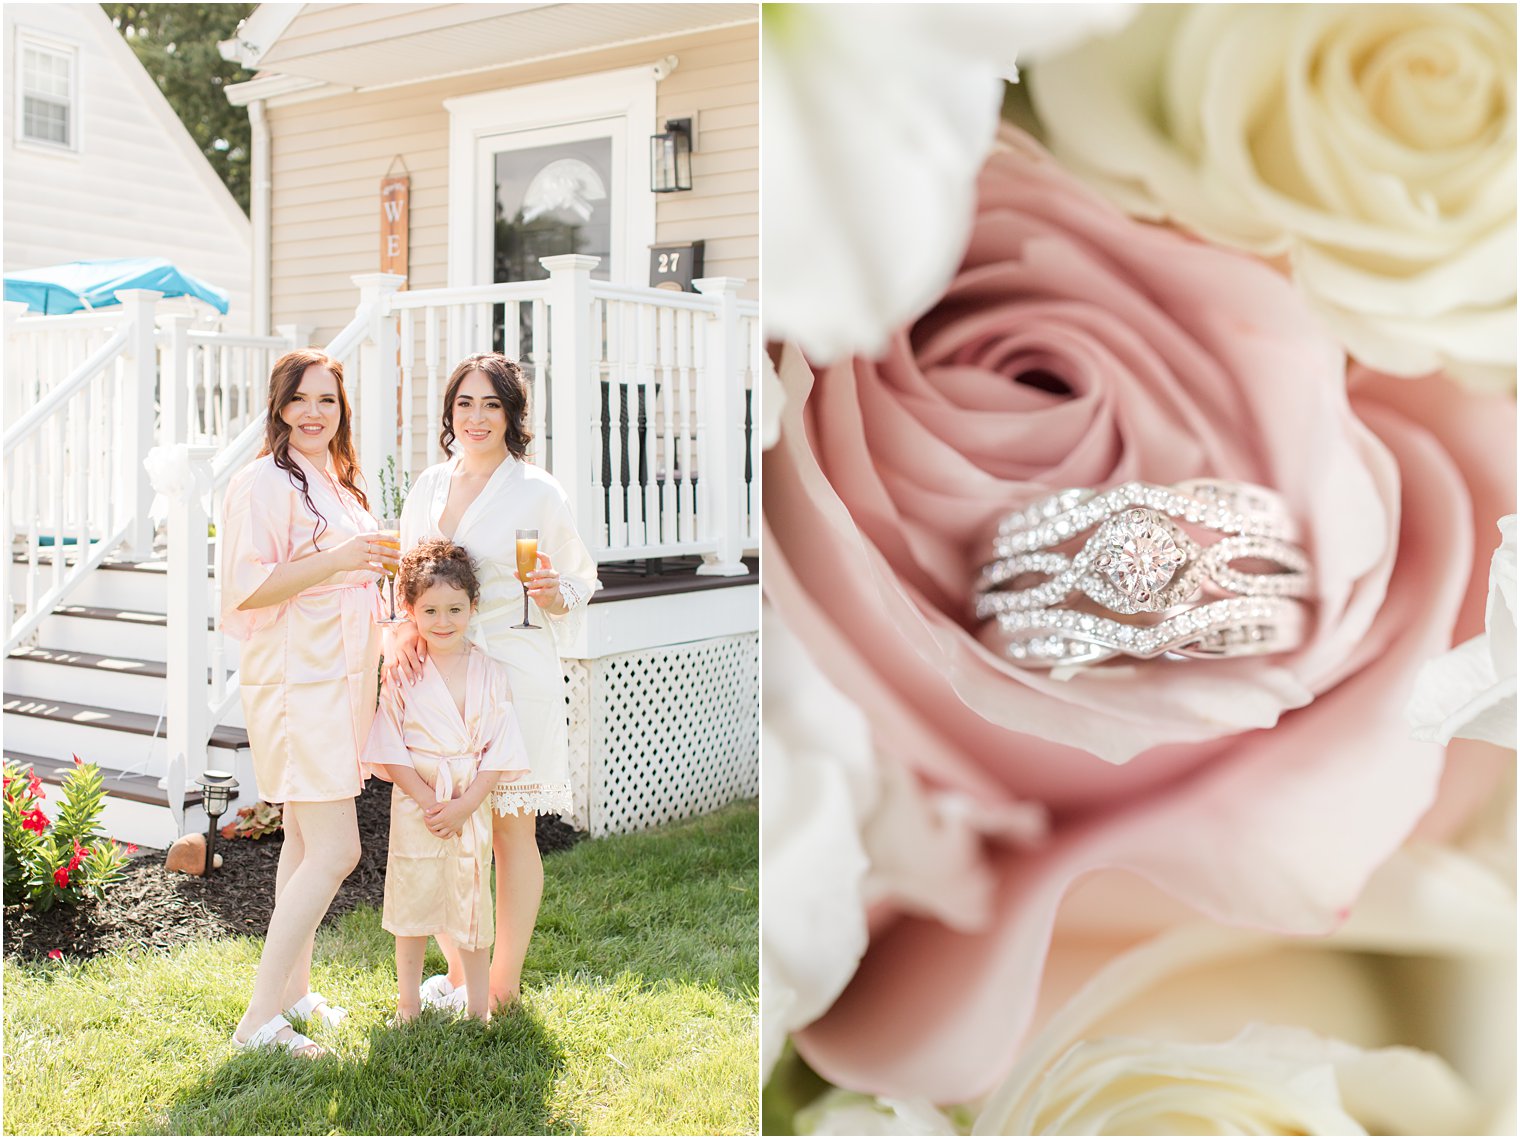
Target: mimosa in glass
527,562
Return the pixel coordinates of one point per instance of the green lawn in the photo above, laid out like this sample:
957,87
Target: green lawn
640,1016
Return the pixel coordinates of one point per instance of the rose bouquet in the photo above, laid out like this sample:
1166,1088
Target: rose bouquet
1272,891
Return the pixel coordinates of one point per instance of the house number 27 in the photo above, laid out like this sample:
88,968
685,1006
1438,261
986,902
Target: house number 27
670,262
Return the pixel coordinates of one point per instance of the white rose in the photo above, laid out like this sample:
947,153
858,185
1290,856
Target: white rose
842,829
1470,692
1373,145
839,1112
1400,1023
877,120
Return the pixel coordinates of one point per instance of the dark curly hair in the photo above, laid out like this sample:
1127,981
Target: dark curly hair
511,386
435,561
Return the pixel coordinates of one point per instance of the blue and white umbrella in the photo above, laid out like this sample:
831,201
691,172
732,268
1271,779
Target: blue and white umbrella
94,284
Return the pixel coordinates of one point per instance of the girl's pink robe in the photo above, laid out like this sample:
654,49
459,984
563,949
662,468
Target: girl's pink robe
308,665
435,885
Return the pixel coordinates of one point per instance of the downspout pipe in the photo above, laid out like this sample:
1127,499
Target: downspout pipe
258,215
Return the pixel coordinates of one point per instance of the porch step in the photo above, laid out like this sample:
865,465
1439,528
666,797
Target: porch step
137,788
133,723
49,673
111,737
108,629
135,808
139,585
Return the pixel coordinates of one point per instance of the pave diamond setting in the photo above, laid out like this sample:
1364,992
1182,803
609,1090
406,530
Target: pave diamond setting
1137,559
1138,554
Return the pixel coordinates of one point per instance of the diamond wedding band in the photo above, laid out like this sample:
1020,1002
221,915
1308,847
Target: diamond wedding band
1149,571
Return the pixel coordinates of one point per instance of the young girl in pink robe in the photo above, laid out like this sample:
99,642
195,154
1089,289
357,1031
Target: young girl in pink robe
445,741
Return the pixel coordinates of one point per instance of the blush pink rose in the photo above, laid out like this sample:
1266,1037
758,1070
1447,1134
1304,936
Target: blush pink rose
1079,348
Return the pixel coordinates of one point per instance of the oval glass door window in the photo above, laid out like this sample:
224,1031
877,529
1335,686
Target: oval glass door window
550,200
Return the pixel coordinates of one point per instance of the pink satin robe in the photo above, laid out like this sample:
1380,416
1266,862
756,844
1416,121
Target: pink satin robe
517,496
435,885
308,666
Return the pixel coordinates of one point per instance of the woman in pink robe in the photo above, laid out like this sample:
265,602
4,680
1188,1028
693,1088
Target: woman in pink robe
479,498
299,557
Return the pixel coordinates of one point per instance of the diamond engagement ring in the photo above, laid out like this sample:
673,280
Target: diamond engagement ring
1148,554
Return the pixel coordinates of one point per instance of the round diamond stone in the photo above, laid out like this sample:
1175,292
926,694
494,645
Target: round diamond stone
1140,555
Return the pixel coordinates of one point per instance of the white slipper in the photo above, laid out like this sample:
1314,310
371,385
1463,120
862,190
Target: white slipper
314,1006
436,992
267,1035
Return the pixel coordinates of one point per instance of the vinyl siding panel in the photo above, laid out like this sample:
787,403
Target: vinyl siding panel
328,156
135,186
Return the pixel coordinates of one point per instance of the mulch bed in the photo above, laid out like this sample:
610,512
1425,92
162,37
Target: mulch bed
153,908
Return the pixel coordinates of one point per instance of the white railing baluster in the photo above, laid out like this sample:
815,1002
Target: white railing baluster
187,715
408,350
511,330
56,480
722,429
665,388
430,362
538,401
686,360
572,374
649,522
615,432
375,415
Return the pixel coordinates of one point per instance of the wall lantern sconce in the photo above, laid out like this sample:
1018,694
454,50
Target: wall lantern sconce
217,790
670,158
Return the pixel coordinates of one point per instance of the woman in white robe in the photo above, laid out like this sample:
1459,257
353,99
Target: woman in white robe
479,498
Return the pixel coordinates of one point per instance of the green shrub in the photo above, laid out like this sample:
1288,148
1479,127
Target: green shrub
59,861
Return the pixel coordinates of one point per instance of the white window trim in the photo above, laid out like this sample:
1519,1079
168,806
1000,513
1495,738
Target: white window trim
28,37
628,94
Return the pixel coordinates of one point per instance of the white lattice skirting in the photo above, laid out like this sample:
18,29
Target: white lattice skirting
663,733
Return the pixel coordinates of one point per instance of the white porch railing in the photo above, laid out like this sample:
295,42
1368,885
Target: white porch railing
73,478
214,384
641,400
641,403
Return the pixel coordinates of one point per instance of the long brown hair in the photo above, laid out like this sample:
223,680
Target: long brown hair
284,382
511,388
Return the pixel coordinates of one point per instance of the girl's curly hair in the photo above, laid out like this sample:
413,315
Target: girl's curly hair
431,562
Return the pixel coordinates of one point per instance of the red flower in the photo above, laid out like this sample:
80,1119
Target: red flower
131,848
55,955
34,820
80,854
34,787
77,761
61,876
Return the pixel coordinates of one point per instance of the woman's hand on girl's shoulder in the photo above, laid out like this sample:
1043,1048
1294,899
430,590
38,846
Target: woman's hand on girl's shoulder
404,653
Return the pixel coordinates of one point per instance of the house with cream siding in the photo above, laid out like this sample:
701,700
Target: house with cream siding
465,98
98,165
428,181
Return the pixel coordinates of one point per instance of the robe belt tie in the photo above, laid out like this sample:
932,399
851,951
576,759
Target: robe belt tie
474,839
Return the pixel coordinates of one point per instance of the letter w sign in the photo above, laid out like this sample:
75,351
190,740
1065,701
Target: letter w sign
395,194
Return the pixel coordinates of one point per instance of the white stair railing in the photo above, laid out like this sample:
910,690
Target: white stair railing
75,490
213,384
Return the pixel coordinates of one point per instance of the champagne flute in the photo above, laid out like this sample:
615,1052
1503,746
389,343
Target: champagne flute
390,529
527,562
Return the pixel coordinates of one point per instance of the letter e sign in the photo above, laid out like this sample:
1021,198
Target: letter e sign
395,195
